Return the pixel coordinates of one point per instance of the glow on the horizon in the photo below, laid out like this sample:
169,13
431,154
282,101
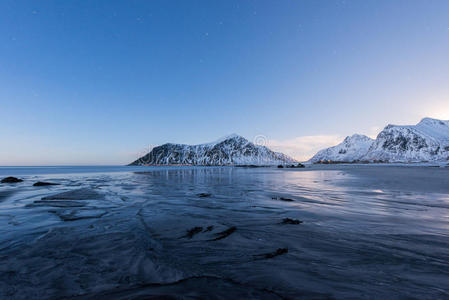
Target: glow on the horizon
304,147
438,109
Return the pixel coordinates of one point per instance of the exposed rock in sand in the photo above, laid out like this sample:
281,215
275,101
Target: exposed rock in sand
43,183
282,199
204,195
291,221
191,232
11,179
225,234
278,252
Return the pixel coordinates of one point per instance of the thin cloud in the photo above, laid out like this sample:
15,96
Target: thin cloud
304,147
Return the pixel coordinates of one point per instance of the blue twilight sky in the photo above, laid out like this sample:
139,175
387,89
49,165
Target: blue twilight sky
97,82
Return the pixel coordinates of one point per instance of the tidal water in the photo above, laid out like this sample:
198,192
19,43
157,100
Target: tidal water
217,233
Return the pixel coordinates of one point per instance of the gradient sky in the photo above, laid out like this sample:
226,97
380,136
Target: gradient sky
97,82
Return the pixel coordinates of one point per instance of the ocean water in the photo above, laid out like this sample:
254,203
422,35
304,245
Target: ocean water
218,233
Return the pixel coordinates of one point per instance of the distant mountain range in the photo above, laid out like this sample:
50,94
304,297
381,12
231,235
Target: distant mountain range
229,151
426,141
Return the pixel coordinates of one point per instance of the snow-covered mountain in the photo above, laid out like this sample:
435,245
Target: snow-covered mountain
354,147
231,150
426,141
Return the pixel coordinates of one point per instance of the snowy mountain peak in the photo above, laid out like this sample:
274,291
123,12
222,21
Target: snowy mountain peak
426,141
230,150
433,122
357,138
233,137
230,137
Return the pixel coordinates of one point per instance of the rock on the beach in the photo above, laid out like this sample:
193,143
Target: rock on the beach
209,228
299,165
225,234
278,252
193,231
43,183
283,199
204,195
291,221
11,179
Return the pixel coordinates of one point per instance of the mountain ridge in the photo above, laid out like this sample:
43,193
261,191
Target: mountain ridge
353,148
426,141
227,151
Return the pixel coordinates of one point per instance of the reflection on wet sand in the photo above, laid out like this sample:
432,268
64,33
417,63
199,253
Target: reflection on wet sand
226,232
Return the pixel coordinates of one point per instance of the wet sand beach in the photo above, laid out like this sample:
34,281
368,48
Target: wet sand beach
352,231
